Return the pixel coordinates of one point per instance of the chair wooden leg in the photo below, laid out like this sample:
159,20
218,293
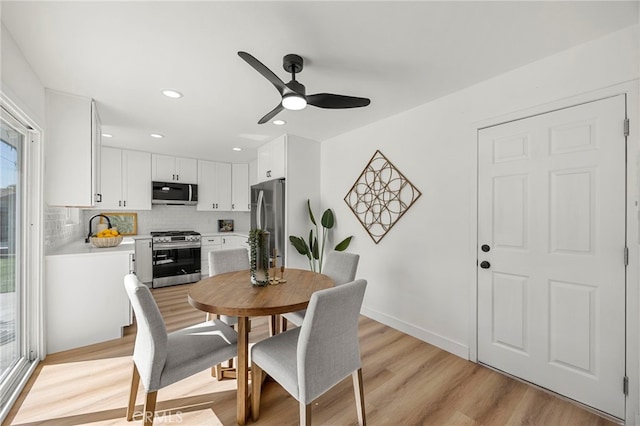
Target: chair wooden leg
305,414
216,372
150,408
135,383
359,391
283,324
273,324
256,388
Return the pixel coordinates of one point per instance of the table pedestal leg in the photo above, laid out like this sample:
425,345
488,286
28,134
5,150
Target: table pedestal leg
243,369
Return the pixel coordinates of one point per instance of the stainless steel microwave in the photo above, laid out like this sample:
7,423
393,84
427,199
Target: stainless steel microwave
174,193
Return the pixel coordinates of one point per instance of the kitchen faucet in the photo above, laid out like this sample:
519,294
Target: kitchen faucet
86,240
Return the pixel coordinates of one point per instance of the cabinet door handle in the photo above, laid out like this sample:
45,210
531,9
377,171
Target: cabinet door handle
213,206
119,203
124,203
98,198
173,177
233,206
177,177
268,173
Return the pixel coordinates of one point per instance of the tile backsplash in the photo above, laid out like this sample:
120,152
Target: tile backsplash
59,232
183,218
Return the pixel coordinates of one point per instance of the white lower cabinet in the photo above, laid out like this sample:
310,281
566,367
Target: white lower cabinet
144,260
219,242
208,243
85,302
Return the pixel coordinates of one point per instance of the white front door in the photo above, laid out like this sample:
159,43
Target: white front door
551,251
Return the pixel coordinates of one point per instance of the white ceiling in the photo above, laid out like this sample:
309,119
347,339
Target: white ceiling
398,54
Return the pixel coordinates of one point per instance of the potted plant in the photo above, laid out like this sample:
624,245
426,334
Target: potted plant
259,256
314,249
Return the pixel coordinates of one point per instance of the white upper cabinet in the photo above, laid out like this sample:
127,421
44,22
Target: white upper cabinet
240,188
127,180
272,159
166,168
214,186
72,150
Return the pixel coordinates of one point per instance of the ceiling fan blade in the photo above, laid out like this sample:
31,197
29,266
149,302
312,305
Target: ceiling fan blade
271,114
266,72
328,100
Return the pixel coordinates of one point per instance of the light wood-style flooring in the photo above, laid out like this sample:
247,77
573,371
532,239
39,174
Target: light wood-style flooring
406,382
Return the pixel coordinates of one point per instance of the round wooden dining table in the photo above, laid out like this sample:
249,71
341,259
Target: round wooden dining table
233,294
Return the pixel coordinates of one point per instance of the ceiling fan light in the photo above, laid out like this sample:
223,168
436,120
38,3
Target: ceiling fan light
294,102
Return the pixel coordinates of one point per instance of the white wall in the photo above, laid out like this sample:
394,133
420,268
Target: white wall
421,274
24,89
19,82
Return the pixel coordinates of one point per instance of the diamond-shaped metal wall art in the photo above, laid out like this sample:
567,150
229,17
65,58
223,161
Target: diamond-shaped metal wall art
381,196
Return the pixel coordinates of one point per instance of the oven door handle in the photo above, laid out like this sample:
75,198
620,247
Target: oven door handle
171,246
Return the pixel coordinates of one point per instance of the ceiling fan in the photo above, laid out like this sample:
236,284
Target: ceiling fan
293,93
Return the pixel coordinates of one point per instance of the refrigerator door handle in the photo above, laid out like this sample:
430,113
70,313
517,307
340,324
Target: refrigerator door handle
259,209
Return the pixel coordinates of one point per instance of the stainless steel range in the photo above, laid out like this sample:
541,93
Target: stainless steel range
176,257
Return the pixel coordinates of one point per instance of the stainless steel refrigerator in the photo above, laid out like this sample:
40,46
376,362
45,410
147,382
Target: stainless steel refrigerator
267,212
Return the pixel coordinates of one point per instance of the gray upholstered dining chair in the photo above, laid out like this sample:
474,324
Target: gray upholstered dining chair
161,358
309,360
341,267
228,260
221,262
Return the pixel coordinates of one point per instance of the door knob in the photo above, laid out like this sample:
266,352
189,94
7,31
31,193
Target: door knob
485,248
485,265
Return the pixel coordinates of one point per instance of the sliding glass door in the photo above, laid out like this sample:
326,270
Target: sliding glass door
18,283
11,142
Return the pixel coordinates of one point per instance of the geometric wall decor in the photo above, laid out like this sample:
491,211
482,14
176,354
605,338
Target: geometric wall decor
380,196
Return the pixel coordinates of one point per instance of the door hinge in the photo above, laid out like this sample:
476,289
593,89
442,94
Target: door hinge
626,256
626,127
625,385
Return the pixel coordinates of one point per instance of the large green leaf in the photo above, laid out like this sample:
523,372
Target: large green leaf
327,220
313,219
342,245
310,240
300,245
316,250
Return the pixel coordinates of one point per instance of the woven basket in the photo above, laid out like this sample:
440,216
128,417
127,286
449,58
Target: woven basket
106,242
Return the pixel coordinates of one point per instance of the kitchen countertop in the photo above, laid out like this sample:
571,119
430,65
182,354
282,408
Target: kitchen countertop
80,247
127,244
222,234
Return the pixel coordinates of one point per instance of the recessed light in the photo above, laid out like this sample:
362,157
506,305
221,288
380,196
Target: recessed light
279,122
156,135
170,93
107,135
237,149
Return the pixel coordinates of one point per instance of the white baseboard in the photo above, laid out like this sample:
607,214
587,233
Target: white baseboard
434,339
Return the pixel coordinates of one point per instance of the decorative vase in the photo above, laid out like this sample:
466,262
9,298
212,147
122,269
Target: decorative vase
259,243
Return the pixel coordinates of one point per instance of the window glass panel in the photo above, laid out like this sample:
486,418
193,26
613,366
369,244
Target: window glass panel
12,350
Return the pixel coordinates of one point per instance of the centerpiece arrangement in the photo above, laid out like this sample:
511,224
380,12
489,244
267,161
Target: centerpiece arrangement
259,256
